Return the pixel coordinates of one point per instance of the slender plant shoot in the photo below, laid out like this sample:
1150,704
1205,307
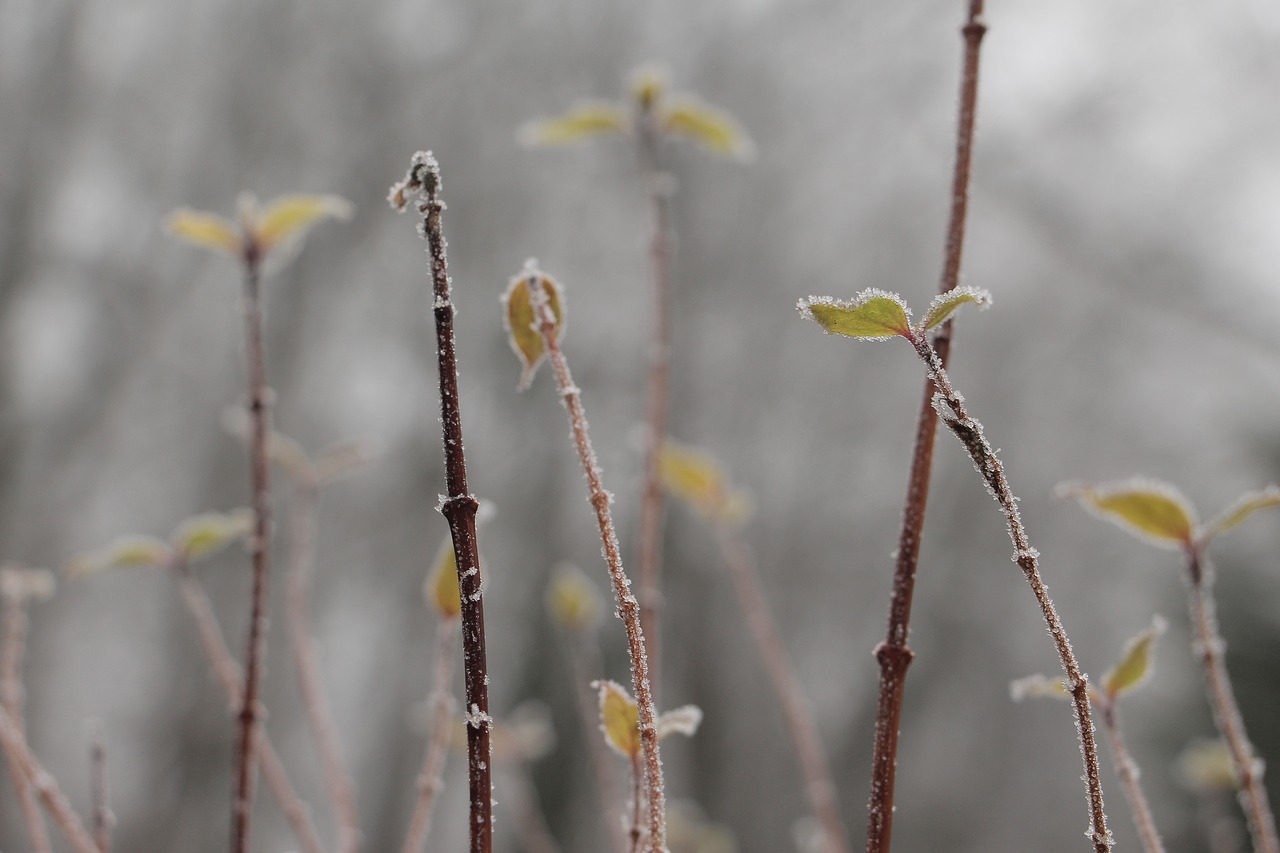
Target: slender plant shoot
459,507
260,231
894,654
1159,514
535,321
876,315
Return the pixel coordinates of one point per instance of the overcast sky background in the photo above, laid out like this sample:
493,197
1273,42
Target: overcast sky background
1125,214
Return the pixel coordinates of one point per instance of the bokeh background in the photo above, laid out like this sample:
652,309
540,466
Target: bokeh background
1125,213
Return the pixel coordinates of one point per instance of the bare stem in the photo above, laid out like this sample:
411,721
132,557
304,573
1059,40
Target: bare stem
12,697
585,664
658,392
46,788
950,407
259,546
894,654
628,608
459,508
1127,770
1211,650
103,819
431,777
319,715
227,672
819,787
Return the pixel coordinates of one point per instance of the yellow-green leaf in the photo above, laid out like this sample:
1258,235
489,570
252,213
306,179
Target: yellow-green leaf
204,229
523,328
1245,506
1135,661
441,589
713,129
1038,687
573,601
1206,766
697,479
619,718
290,216
583,120
203,535
872,315
1151,510
126,552
680,721
945,304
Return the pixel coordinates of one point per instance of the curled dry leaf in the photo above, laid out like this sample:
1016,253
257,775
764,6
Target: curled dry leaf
521,323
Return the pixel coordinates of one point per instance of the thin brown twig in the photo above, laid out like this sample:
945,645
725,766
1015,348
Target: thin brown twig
46,788
227,673
819,786
103,819
1127,771
459,508
259,547
1211,650
657,399
894,654
12,697
431,777
584,661
628,609
302,529
949,405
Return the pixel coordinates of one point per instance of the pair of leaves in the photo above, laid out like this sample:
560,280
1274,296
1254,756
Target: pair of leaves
1130,671
260,229
523,317
620,719
700,481
1158,513
679,115
878,315
195,538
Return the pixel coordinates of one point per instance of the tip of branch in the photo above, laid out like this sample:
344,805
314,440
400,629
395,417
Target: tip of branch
422,180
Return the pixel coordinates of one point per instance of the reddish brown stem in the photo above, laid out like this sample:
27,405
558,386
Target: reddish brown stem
342,798
658,392
259,547
950,407
59,807
628,609
459,508
433,759
12,697
1127,771
227,672
819,787
1211,650
894,654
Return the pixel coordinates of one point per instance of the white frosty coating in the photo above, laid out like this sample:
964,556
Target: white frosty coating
477,719
683,720
981,299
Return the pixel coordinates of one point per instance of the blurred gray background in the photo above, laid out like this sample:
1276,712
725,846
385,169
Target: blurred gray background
1125,213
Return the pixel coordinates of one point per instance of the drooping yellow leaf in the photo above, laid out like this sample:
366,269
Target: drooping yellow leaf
523,328
1151,510
698,479
125,552
872,315
583,120
441,589
204,535
1135,661
573,601
945,304
290,216
619,718
1244,506
680,721
204,229
1038,687
713,129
